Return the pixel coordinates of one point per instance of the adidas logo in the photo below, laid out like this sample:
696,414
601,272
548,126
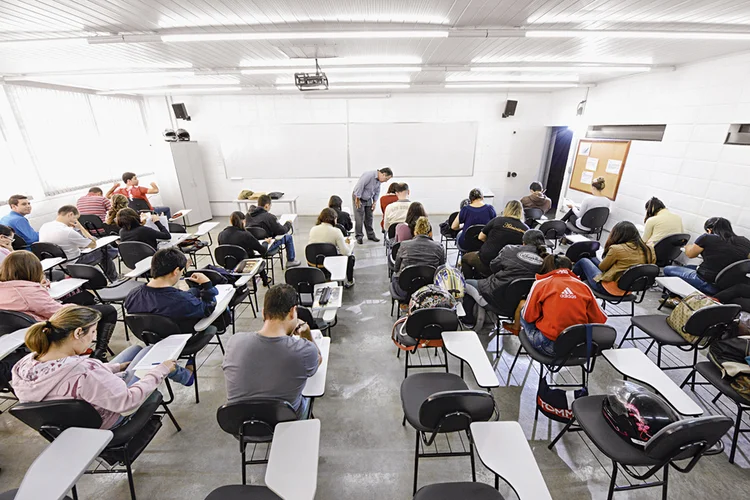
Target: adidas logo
568,294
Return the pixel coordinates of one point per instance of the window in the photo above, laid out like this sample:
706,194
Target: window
627,132
8,186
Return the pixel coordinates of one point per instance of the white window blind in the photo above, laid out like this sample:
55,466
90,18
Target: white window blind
77,139
14,182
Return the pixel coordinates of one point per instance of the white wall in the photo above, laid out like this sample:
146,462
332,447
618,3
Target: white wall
691,170
512,144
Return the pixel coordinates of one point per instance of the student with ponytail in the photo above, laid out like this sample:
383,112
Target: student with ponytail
56,369
236,234
421,249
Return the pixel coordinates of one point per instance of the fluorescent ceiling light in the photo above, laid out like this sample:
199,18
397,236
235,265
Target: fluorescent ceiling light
675,35
355,79
508,85
172,90
332,61
372,86
283,70
581,69
44,42
304,35
507,77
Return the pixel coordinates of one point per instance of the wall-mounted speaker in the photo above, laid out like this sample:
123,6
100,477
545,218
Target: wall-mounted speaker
180,112
510,108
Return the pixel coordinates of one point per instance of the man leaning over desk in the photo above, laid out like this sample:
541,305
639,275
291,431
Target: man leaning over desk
364,196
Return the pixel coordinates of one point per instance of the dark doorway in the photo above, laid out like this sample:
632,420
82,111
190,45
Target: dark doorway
559,147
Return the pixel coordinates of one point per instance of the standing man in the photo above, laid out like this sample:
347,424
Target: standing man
133,191
20,207
365,195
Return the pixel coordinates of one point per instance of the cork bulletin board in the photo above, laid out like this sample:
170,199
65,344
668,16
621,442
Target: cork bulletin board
599,158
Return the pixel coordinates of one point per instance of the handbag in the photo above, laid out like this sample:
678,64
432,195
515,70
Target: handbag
679,317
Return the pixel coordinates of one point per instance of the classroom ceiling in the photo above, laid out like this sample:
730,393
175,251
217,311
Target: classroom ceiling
161,46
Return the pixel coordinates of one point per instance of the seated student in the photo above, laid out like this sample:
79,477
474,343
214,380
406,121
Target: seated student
131,227
720,247
405,230
476,212
6,242
159,296
396,211
325,231
135,192
20,207
276,361
659,222
94,203
55,368
67,233
24,289
385,200
623,250
236,234
343,218
506,229
118,203
421,249
536,199
514,262
261,216
595,200
557,300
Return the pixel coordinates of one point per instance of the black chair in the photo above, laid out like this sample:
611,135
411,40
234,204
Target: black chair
253,421
503,305
139,205
532,215
304,279
571,349
229,256
448,491
261,234
424,328
593,219
410,280
47,251
733,274
635,282
51,418
315,254
472,243
553,230
581,250
314,323
151,328
19,243
449,239
391,262
707,324
132,252
678,442
441,403
669,248
11,321
173,228
240,294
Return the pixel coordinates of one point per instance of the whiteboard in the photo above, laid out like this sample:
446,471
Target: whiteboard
284,151
413,149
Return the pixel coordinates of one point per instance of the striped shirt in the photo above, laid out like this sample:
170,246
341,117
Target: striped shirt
93,204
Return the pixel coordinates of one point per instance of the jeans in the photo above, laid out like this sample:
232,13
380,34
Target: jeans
288,241
163,210
363,214
472,289
303,412
537,338
587,269
101,257
690,275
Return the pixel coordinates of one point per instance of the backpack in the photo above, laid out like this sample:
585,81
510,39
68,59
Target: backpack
555,404
451,280
729,355
681,314
741,384
430,296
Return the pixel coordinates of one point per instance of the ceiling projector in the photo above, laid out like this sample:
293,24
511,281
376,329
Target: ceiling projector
311,81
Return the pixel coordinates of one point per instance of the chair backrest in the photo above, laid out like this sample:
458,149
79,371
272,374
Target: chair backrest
451,411
315,253
582,249
392,231
687,438
638,278
151,328
595,218
173,228
669,248
10,321
572,341
412,278
47,250
93,224
510,296
304,279
343,230
132,252
139,205
734,274
305,315
256,417
472,243
394,252
215,277
712,322
451,218
533,213
259,233
19,243
94,275
429,324
50,418
553,229
228,256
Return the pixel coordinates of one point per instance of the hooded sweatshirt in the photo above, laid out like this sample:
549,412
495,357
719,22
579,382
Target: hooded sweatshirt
260,217
88,379
29,298
514,262
537,199
559,299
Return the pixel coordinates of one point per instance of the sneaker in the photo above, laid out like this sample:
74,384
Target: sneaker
359,240
190,366
292,263
349,284
512,329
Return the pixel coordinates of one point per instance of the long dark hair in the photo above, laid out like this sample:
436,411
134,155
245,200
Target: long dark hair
335,202
535,238
626,232
653,207
722,228
237,219
556,261
415,211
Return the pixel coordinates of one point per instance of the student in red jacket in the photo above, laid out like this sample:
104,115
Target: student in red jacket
558,299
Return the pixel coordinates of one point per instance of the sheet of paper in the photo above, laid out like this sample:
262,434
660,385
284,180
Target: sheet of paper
613,166
587,176
584,149
592,164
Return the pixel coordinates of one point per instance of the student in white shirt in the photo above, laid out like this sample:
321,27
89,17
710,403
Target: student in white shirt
396,211
67,233
325,231
597,199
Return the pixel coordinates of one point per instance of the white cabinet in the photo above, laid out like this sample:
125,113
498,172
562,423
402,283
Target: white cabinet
182,183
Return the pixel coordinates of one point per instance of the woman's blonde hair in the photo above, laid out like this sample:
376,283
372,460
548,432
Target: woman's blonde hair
422,226
21,265
513,209
41,336
118,203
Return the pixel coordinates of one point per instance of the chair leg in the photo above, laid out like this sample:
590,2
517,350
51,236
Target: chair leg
541,376
129,469
416,464
736,435
122,308
520,349
658,355
665,486
171,417
613,481
471,451
629,330
74,491
406,365
244,467
218,338
560,435
195,379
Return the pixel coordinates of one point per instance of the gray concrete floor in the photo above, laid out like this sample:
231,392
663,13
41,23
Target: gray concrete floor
365,453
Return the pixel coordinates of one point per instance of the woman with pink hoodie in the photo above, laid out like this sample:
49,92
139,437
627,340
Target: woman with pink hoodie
56,369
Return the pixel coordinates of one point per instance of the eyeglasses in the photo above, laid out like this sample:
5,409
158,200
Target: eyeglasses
11,240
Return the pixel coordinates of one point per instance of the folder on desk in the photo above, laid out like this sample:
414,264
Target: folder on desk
169,348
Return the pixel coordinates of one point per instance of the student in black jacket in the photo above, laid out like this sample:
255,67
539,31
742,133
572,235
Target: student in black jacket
262,217
131,229
236,234
343,218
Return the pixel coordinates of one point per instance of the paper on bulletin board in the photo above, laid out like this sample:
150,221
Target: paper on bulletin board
587,176
592,164
613,166
585,149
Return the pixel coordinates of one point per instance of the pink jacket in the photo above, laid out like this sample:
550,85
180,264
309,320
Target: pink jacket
29,298
77,377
